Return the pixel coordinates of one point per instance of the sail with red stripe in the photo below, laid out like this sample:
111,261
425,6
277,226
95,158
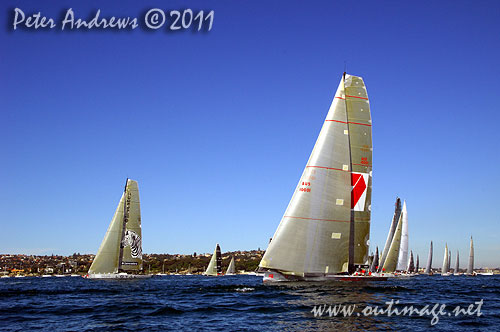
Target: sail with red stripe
325,228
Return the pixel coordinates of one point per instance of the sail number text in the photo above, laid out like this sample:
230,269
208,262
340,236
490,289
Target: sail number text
305,187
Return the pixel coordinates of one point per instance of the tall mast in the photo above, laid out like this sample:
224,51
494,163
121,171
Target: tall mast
350,266
125,219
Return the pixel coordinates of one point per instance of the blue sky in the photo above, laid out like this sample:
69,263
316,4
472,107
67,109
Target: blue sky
217,126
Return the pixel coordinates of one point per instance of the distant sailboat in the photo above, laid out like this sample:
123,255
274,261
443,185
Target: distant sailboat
428,269
449,261
470,268
215,266
403,250
325,230
231,269
120,253
417,265
391,261
392,230
456,270
446,262
411,265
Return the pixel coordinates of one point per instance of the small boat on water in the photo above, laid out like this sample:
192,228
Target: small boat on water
456,271
215,266
445,270
231,269
428,269
120,253
470,267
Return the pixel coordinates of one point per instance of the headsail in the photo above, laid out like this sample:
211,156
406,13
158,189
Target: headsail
215,266
121,248
457,264
403,251
470,268
231,269
429,261
394,223
325,229
392,255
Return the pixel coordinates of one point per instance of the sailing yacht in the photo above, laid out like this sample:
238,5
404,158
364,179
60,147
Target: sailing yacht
456,270
428,269
215,266
470,267
324,233
120,253
231,269
391,260
392,230
445,270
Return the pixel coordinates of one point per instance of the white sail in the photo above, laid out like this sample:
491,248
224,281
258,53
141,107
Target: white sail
446,261
403,251
457,264
325,229
470,267
392,256
231,269
121,248
106,260
392,229
214,267
429,261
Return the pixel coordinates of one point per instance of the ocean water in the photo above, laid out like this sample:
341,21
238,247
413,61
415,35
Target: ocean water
243,303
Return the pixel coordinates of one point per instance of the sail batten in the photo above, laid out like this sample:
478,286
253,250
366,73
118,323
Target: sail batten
315,231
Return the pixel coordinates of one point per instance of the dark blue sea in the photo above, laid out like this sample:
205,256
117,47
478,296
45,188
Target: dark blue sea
243,303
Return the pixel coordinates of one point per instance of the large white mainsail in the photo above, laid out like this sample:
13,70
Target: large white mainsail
215,265
403,251
390,235
325,229
121,248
